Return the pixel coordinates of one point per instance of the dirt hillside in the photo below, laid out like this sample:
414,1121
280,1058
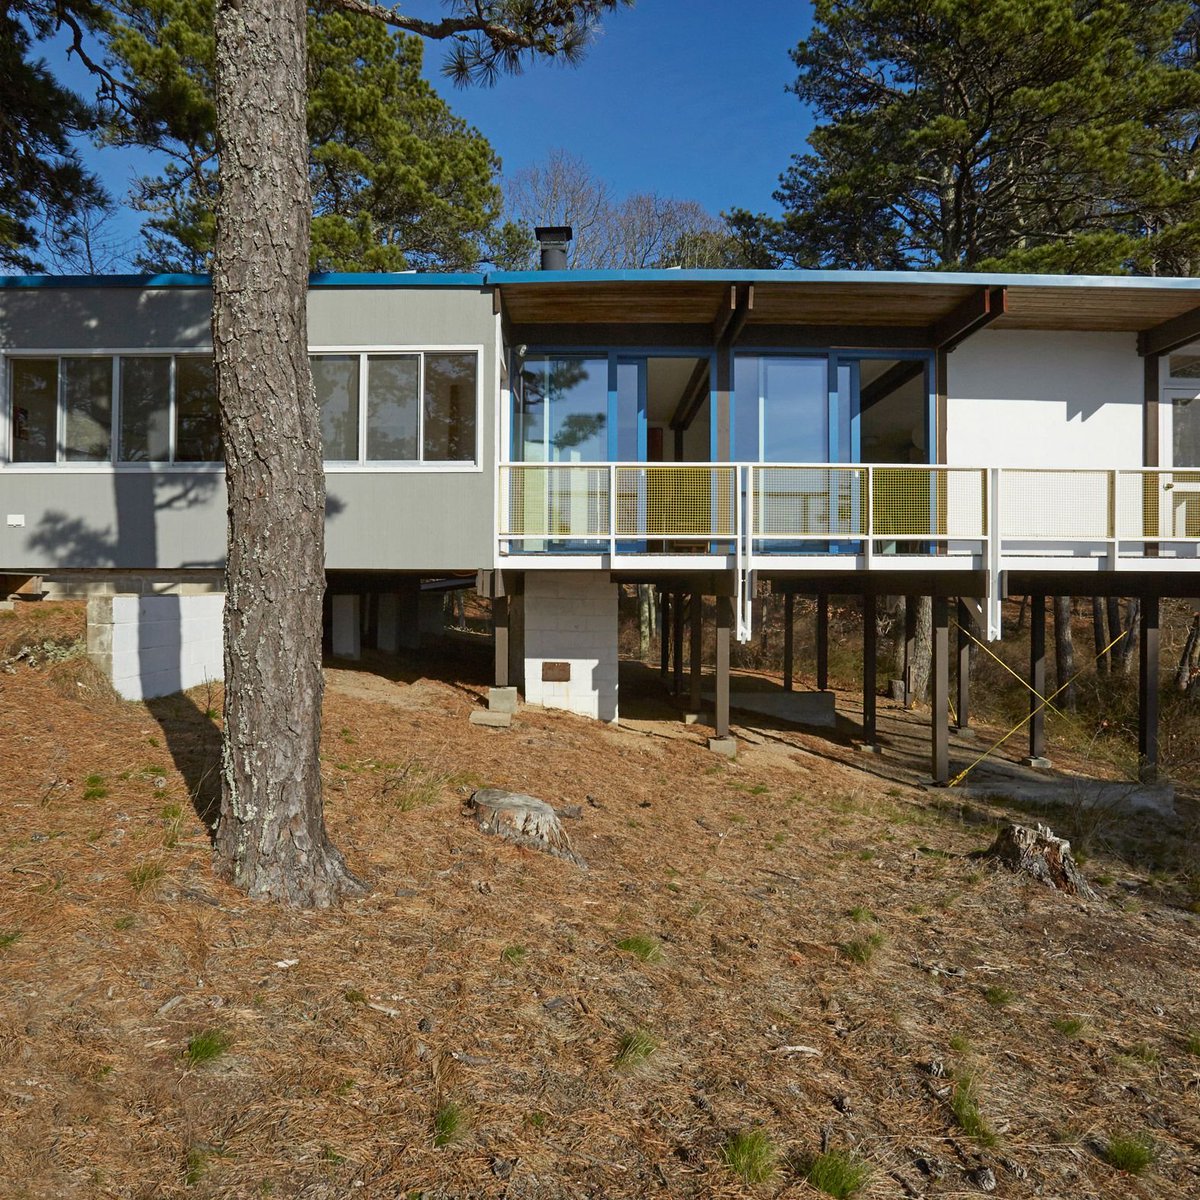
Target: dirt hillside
764,959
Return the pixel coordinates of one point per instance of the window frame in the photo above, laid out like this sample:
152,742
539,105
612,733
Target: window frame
372,466
115,464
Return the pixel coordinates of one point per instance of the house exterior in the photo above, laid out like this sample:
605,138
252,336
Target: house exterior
547,435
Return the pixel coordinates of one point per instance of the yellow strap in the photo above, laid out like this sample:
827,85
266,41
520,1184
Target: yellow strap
1045,701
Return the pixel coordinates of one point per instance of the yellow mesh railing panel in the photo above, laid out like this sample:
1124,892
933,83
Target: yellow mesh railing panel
1050,504
813,502
557,502
668,501
1158,504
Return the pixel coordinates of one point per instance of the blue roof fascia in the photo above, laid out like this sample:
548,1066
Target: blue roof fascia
341,279
918,278
104,281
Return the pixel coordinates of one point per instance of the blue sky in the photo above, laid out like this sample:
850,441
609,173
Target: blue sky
674,97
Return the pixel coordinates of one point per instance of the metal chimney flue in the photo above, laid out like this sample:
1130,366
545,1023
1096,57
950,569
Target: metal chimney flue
554,240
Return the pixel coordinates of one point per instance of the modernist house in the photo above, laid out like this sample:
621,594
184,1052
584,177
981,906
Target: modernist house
548,435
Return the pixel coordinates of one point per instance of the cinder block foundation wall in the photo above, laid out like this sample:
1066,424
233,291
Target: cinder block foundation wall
152,646
570,631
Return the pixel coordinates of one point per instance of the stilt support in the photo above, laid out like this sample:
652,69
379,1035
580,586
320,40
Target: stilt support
910,647
694,651
822,643
789,638
870,672
500,635
1037,681
1148,691
724,624
964,667
939,716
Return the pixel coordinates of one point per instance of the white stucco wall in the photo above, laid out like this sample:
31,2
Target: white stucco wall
1025,398
156,645
571,617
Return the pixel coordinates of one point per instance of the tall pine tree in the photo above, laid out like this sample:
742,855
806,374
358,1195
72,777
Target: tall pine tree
397,180
1050,135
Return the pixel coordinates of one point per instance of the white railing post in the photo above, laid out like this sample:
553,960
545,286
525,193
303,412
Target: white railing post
869,520
994,554
612,510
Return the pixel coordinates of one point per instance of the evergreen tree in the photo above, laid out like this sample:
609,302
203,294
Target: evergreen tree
397,180
1049,135
44,189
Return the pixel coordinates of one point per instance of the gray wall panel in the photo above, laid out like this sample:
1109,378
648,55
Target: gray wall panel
108,318
172,519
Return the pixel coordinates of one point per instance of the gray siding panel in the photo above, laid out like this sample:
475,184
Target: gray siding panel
173,519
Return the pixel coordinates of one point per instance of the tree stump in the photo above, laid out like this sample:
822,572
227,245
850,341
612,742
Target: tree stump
523,820
1038,853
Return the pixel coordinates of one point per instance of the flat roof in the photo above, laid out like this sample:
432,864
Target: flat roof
900,299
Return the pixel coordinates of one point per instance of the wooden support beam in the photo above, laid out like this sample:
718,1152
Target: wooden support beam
894,378
822,642
730,320
677,643
664,631
964,667
1037,681
789,638
694,651
1148,691
724,624
692,397
870,670
500,633
978,310
1169,335
939,712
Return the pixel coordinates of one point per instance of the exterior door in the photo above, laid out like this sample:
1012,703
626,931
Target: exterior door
1179,447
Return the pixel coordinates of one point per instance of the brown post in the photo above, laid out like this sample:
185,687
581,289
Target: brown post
910,646
1148,691
964,666
870,669
822,643
724,623
500,635
1037,681
664,630
694,651
789,638
939,716
677,643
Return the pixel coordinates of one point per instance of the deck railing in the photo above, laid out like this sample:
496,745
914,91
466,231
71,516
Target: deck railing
767,509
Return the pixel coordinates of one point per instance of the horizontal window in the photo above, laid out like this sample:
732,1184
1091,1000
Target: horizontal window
413,407
131,408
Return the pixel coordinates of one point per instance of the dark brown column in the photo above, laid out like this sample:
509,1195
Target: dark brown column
500,634
664,631
822,643
694,652
1148,691
964,666
789,638
939,716
677,612
724,623
910,645
1037,680
870,670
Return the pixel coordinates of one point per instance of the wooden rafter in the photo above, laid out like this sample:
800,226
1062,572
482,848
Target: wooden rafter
1169,335
978,310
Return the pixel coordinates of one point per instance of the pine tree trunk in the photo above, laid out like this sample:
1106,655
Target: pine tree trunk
1113,604
1100,635
645,620
922,663
271,839
1064,653
1128,644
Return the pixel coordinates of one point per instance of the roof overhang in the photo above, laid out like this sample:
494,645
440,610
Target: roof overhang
925,304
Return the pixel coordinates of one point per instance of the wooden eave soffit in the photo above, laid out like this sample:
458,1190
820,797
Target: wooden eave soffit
1170,335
